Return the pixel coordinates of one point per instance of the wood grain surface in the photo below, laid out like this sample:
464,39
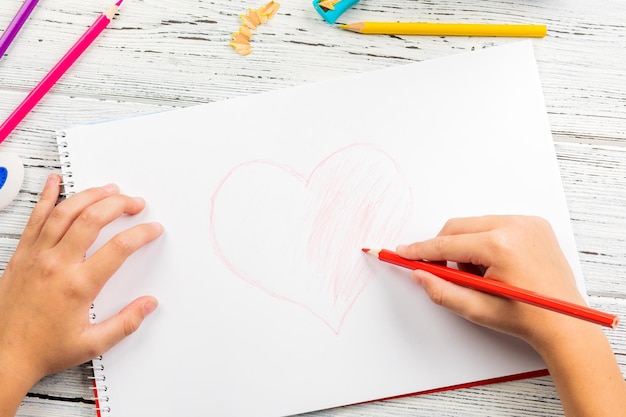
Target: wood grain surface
163,54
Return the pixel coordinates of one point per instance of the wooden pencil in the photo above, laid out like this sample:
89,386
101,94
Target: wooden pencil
498,288
16,24
50,79
446,29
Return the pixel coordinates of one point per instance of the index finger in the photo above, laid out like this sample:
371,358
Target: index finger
112,255
84,231
472,248
61,217
477,224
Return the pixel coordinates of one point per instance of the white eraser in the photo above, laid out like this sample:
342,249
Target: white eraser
11,177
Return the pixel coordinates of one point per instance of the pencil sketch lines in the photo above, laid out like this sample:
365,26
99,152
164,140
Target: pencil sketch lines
298,238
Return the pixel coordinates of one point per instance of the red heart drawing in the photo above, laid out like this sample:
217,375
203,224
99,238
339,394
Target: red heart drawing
299,238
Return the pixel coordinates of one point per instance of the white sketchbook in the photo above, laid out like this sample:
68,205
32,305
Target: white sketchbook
268,306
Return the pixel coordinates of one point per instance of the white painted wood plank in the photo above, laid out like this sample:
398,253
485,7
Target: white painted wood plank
595,182
181,57
173,53
37,407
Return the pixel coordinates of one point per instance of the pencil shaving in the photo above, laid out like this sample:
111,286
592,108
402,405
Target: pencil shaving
240,46
240,37
247,21
328,4
245,31
270,9
250,21
242,49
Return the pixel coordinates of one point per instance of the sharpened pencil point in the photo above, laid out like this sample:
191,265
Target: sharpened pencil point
119,3
373,252
353,27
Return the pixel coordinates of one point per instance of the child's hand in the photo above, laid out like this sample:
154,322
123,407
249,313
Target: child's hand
522,251
48,286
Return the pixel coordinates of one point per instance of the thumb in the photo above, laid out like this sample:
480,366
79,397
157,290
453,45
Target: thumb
114,329
470,304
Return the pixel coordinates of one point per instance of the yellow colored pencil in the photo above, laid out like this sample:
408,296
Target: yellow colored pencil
447,29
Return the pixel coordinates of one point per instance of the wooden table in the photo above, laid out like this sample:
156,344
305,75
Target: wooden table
158,55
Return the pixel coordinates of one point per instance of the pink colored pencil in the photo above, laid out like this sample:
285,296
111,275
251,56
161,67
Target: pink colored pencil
57,72
499,288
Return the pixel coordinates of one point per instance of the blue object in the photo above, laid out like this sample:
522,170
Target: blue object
4,173
11,177
331,15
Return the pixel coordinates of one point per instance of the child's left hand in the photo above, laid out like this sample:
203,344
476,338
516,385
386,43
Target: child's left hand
48,287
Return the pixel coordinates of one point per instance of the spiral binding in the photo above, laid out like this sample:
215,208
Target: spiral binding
99,387
98,379
66,173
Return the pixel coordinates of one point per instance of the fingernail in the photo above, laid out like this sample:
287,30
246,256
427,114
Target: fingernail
53,180
149,307
158,227
110,188
401,248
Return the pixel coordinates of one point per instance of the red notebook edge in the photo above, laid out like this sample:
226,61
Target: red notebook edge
96,398
507,378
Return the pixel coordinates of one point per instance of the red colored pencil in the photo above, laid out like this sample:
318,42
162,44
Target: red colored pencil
498,288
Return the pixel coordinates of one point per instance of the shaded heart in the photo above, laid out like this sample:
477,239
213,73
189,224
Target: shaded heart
299,237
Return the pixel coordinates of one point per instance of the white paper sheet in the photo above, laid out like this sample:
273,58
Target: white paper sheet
268,307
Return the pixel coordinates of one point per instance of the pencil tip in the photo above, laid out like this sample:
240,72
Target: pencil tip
365,250
119,3
353,27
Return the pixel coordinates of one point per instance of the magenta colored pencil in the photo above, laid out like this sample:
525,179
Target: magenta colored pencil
57,72
16,24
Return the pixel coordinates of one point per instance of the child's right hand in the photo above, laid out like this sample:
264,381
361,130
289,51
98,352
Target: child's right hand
519,250
523,251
